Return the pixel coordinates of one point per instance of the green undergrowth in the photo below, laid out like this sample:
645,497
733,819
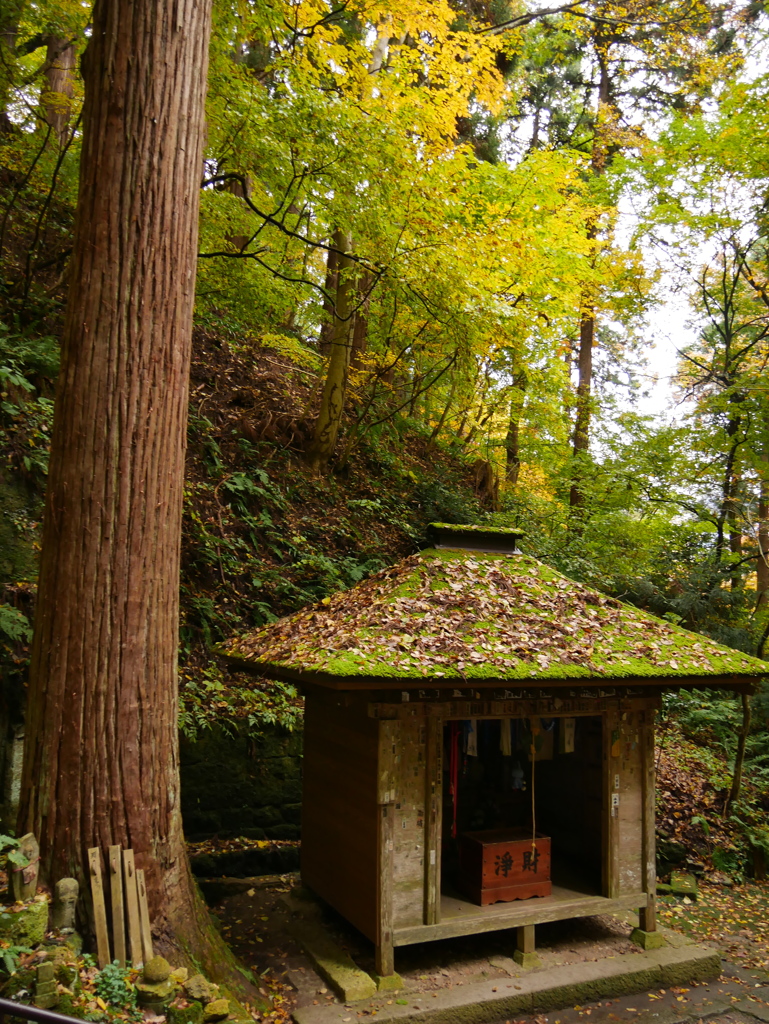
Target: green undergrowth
262,537
695,765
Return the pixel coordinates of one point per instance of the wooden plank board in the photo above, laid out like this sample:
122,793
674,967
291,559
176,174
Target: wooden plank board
517,915
340,816
99,907
611,752
433,819
144,916
132,909
116,894
383,950
387,767
647,914
551,707
408,894
630,817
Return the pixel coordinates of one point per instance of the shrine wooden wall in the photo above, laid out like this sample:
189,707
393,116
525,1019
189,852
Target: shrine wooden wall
629,752
339,811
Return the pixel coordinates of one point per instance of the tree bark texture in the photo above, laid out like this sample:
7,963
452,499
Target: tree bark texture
101,759
739,760
335,387
10,14
513,438
600,158
581,442
762,562
328,326
360,320
60,85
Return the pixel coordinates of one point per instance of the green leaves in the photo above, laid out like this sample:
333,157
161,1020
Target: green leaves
15,626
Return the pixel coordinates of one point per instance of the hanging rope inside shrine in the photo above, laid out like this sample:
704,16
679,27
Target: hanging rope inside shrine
535,730
454,728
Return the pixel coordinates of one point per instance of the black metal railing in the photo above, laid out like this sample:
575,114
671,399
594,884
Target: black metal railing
8,1008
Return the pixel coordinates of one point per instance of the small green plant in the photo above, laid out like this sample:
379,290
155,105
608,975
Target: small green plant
15,856
14,624
10,957
703,822
112,986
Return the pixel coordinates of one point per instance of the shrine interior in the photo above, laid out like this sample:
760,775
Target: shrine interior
488,780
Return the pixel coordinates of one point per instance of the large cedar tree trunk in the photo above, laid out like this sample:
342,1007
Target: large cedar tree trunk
101,760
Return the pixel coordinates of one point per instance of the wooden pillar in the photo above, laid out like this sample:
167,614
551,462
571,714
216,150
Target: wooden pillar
611,769
524,939
525,952
648,914
433,819
384,951
384,956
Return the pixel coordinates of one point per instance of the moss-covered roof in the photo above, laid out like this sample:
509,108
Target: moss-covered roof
456,615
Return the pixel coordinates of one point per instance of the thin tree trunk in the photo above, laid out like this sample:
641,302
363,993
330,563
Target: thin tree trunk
727,487
599,160
101,763
449,402
328,327
236,187
10,15
335,387
735,542
360,321
581,442
742,739
60,82
513,439
762,561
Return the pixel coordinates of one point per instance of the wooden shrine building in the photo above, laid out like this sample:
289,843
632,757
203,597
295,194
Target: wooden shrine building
478,742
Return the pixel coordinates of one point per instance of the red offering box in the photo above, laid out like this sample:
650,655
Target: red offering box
500,865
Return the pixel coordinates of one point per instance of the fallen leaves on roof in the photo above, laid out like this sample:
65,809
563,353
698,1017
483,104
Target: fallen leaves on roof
463,615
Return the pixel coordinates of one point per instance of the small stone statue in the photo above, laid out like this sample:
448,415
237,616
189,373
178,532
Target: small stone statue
23,880
46,992
65,896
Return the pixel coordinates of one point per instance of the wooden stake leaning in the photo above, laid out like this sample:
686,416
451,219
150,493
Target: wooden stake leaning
116,891
132,909
144,916
99,908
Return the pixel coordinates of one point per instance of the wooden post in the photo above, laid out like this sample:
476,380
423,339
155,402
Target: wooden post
525,952
132,908
611,771
384,952
433,819
648,915
384,959
116,893
144,916
99,908
524,939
